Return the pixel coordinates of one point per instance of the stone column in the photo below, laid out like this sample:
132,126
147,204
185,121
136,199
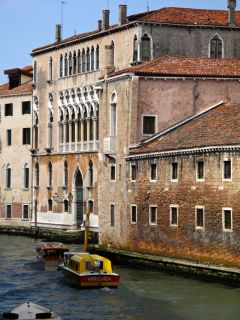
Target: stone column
88,133
76,133
64,134
70,135
95,133
82,133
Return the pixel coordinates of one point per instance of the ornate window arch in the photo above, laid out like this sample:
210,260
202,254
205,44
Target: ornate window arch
146,44
216,47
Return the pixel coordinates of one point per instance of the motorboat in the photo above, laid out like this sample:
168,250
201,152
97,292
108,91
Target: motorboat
87,270
51,254
31,311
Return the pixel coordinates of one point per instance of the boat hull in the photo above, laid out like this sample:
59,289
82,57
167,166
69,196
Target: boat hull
91,280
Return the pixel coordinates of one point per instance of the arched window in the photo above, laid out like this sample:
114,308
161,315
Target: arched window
113,53
92,59
50,69
35,72
50,129
90,173
97,57
145,48
70,64
49,174
113,115
8,176
91,128
65,174
50,205
37,175
88,59
79,62
135,49
74,63
26,176
216,47
65,204
66,66
83,61
61,66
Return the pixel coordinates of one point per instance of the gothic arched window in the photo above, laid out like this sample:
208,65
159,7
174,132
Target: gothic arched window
97,57
135,49
145,48
61,66
216,47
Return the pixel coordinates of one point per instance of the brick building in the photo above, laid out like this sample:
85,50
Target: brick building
183,189
15,156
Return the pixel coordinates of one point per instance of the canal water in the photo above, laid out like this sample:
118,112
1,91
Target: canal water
142,294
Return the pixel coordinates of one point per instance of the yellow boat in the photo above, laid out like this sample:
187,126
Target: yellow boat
89,270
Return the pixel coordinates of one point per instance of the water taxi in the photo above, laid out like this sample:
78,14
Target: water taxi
87,270
51,254
31,311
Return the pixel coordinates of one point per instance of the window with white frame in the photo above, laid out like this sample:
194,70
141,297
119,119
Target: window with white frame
113,172
26,176
153,172
174,171
133,214
8,211
200,170
227,169
25,211
153,214
227,219
199,217
174,215
133,172
149,124
8,176
112,215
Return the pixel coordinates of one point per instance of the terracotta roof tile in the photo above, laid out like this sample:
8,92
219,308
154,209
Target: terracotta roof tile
185,16
218,126
24,88
186,66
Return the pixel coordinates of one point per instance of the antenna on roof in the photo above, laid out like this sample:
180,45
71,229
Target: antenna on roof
62,3
147,6
107,4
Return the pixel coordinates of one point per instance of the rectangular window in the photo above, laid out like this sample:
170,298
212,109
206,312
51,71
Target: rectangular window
9,137
8,109
133,214
26,107
174,171
25,212
26,178
227,219
149,125
112,215
199,217
26,136
173,215
8,211
153,215
200,170
227,169
133,172
153,172
113,172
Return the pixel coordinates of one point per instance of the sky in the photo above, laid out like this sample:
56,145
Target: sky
29,24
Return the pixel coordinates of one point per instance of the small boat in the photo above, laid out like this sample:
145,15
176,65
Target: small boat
87,270
51,254
31,311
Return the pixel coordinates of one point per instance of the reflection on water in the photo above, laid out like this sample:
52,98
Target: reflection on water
141,295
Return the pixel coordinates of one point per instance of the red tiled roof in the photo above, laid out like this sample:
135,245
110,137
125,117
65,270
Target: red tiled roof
27,68
186,66
185,16
190,16
218,126
23,88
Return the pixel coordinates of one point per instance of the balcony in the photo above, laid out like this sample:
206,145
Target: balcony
109,145
80,146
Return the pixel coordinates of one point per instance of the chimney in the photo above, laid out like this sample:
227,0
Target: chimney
58,32
231,12
99,25
109,59
105,21
122,17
